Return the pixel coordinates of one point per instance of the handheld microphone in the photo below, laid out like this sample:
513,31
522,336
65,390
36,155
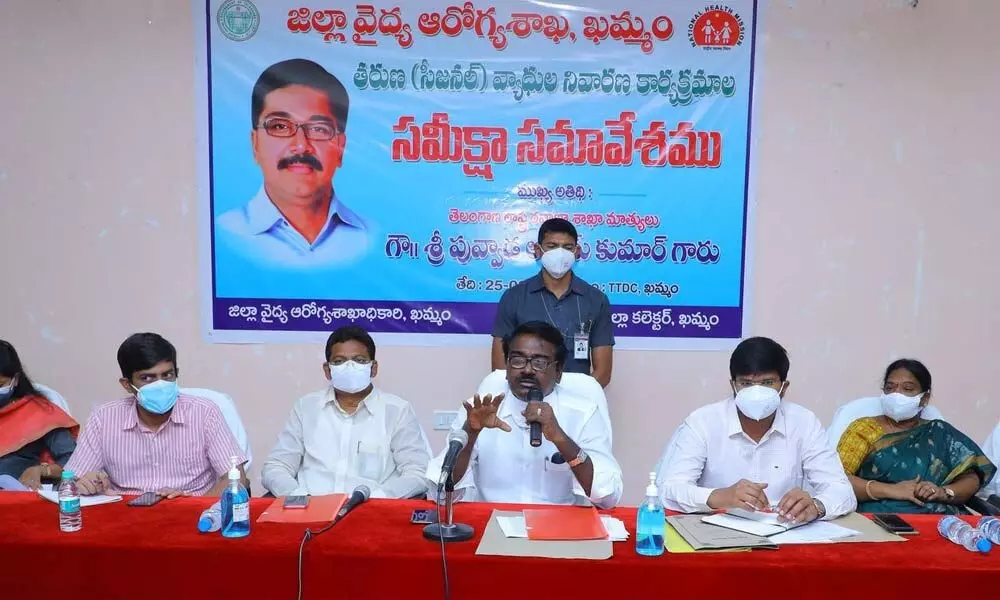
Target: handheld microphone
456,441
360,494
535,395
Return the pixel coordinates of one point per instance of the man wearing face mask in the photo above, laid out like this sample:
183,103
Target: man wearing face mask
573,464
155,439
755,450
557,296
350,433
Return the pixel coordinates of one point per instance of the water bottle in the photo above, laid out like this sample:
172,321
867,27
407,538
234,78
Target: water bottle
650,522
70,518
961,533
211,519
989,528
235,503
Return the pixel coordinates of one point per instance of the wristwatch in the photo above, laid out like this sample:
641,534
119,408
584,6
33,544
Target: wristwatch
819,508
579,460
950,493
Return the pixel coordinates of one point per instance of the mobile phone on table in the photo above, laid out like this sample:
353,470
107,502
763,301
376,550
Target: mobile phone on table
424,516
894,524
296,502
147,499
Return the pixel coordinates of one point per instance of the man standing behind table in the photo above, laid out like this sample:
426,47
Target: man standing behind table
756,447
557,296
349,434
156,439
573,464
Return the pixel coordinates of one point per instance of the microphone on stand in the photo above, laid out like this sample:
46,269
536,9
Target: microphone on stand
360,494
446,529
535,395
456,441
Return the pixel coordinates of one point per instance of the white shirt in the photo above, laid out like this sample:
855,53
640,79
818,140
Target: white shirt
261,233
322,450
505,468
711,451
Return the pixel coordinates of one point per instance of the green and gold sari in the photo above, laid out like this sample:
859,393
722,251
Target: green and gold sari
934,450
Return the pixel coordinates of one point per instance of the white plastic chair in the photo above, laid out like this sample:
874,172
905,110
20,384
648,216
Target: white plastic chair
232,416
866,407
991,447
578,383
53,396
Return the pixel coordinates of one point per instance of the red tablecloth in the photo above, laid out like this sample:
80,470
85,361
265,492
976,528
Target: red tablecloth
151,553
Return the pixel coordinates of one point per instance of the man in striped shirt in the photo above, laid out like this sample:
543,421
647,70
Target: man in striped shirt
154,440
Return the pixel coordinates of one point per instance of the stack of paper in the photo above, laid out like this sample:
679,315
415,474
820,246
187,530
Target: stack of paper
616,529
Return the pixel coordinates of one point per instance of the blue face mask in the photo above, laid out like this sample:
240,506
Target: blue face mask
7,391
158,397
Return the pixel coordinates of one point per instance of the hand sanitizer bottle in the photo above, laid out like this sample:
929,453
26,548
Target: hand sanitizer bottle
651,522
235,504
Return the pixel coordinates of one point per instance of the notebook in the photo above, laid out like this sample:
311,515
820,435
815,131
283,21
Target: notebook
564,523
321,509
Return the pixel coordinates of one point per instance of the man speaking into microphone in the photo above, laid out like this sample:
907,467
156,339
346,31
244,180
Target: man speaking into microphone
572,464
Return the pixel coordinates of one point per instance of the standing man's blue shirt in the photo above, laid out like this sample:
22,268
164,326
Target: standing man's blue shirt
261,233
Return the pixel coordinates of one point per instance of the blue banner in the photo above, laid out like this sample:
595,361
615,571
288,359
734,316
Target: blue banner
389,165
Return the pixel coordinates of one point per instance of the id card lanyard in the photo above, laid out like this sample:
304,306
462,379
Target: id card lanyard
581,339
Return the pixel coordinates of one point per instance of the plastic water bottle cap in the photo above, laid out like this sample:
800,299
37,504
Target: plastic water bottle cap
67,474
983,545
204,525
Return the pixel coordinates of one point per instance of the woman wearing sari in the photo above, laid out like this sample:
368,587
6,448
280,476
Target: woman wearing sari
36,436
900,463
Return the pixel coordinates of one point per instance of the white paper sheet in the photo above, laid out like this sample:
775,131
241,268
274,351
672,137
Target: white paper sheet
817,532
516,527
84,500
744,525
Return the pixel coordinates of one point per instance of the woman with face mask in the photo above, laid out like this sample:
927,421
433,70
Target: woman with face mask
36,436
900,463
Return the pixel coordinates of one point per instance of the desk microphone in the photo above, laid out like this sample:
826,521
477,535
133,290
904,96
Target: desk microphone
456,441
360,494
535,395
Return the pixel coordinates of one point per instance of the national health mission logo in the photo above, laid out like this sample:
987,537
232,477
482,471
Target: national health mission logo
717,27
238,20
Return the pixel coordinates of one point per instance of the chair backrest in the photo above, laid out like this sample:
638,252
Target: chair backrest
232,416
991,447
578,383
53,396
865,407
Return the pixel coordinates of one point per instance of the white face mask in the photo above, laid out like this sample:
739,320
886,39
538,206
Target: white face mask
558,261
900,407
758,402
350,377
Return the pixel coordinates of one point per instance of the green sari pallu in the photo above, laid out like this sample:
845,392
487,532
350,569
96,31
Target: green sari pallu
935,451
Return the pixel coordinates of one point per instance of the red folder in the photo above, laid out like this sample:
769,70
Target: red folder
321,509
564,523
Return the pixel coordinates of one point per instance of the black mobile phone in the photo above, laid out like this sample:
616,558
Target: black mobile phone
894,524
424,516
147,499
296,502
